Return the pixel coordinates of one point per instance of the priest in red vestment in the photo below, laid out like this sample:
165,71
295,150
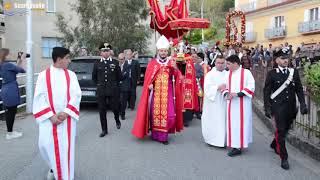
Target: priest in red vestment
190,102
160,106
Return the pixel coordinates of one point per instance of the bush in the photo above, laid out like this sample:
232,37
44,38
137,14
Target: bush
312,80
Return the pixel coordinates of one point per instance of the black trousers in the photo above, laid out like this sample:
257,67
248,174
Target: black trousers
187,117
10,114
114,104
132,98
279,140
124,97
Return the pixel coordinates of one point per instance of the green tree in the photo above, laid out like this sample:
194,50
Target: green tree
118,22
215,11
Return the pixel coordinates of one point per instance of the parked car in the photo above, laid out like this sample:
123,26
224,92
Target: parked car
143,60
83,67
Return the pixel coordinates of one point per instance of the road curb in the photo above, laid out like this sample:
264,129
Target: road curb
298,142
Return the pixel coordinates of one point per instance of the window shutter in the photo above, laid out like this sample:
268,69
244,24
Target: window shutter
283,22
272,22
306,15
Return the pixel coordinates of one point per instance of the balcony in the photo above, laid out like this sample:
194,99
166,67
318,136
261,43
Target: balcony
248,7
261,4
275,33
274,2
251,37
309,27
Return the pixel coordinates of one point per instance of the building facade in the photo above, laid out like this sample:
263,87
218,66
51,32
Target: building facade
280,21
44,32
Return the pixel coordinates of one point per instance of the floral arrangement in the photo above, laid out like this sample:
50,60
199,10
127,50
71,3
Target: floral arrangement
230,25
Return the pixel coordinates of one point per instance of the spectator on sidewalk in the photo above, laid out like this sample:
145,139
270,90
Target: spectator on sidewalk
10,91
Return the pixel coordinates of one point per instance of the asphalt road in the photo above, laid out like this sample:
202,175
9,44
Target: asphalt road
121,156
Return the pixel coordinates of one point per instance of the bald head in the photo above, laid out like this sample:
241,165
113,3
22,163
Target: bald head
121,58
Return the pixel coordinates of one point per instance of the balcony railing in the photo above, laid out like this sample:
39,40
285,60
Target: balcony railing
248,7
251,37
258,4
276,32
309,27
273,2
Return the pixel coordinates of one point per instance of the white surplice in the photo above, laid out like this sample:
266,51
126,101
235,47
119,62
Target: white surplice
239,109
214,109
57,90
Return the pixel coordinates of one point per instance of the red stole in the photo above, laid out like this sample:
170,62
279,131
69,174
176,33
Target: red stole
160,107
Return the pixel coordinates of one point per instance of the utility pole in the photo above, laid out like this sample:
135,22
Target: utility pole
202,18
29,44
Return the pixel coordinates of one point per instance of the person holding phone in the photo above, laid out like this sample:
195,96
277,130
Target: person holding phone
10,91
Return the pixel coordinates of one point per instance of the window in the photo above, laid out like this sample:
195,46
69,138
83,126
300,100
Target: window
48,43
314,14
279,21
51,6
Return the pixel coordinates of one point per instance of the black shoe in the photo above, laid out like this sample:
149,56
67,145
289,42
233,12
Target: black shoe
123,117
118,125
103,134
234,152
186,124
165,142
272,146
285,164
198,116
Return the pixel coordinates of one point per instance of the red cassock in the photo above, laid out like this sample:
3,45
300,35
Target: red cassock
190,87
142,121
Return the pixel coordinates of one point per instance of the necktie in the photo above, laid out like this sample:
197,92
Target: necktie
285,71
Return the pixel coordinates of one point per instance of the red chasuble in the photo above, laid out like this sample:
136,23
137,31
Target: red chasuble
142,121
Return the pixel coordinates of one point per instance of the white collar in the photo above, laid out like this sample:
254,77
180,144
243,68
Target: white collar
163,63
201,63
281,68
103,59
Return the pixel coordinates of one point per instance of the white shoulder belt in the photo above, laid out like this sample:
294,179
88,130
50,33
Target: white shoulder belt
284,85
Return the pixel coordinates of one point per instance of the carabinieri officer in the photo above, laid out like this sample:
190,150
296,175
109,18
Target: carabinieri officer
107,74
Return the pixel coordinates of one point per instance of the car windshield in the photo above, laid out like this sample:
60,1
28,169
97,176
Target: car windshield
81,67
143,60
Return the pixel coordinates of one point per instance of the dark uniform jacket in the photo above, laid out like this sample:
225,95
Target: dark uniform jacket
283,107
107,75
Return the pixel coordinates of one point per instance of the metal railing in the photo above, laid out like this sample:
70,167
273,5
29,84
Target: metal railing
258,4
306,126
21,97
275,32
273,2
248,7
309,26
251,36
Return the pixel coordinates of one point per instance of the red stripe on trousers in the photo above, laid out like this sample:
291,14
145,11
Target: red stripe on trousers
229,111
68,120
54,127
41,113
241,109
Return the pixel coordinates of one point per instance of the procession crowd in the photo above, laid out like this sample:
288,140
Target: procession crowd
216,86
